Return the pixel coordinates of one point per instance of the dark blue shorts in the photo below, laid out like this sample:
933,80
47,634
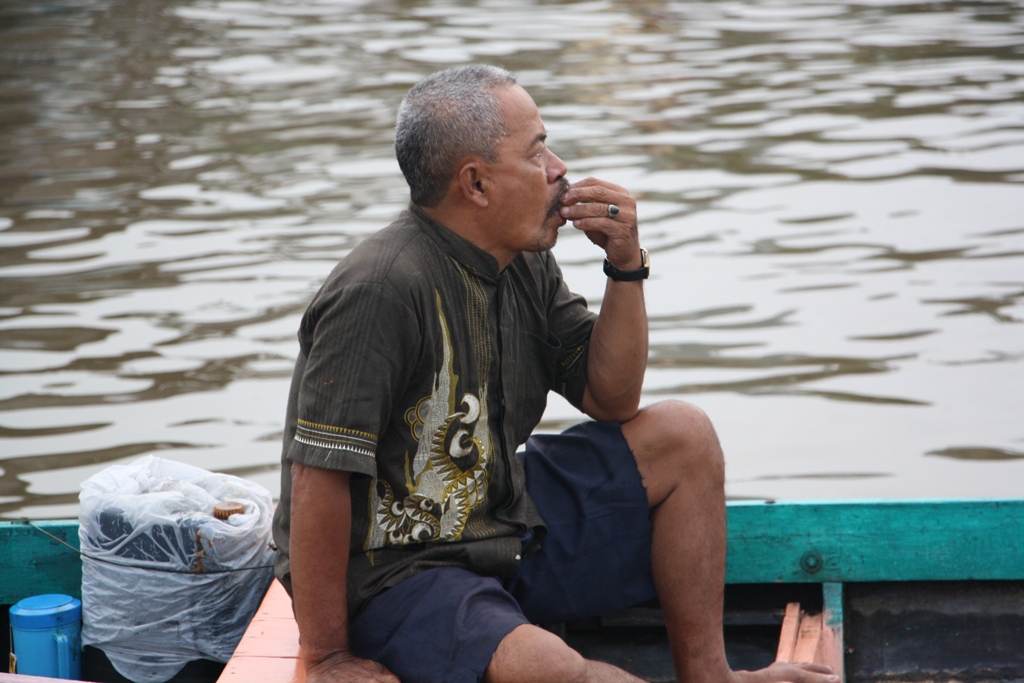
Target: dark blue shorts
443,625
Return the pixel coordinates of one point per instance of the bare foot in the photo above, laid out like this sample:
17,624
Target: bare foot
788,672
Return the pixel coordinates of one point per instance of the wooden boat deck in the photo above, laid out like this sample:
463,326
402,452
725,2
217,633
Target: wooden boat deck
269,650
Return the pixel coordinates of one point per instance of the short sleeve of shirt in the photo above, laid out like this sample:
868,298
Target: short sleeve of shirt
570,322
359,342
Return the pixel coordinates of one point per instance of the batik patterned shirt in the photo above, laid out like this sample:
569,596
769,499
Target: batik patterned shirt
421,370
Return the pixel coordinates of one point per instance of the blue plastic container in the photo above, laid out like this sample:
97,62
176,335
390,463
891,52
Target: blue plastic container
46,636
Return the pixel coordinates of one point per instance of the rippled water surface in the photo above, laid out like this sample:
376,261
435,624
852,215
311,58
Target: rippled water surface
832,193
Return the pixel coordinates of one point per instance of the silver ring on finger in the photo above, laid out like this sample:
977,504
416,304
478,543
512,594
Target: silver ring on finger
613,211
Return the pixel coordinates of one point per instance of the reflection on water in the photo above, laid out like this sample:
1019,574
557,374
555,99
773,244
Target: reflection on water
832,194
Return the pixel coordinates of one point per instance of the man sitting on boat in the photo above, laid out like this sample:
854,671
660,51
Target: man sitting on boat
417,544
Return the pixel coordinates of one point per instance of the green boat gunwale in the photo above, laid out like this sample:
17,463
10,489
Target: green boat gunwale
769,542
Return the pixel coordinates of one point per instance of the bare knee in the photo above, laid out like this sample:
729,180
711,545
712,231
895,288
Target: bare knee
529,654
675,442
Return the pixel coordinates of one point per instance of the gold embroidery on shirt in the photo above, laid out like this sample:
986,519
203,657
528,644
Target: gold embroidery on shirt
447,479
336,438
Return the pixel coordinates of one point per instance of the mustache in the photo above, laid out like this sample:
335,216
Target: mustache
556,203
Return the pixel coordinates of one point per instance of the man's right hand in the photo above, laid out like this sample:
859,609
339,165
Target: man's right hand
344,667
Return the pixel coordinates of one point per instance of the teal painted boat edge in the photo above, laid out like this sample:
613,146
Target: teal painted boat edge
875,540
832,599
789,542
32,563
834,644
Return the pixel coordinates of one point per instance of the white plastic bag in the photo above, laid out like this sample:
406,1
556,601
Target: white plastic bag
158,590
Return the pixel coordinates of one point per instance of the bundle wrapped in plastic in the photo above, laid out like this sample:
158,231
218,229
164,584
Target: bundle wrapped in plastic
165,582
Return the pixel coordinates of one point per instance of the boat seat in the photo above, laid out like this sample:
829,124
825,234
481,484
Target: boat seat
269,649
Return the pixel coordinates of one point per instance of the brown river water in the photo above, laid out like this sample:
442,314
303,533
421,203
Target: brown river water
832,194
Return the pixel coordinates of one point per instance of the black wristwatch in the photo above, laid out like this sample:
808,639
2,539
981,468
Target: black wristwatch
641,273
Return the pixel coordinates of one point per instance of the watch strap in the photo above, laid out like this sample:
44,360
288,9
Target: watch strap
641,273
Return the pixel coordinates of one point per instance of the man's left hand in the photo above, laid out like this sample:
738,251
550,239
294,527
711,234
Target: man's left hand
586,205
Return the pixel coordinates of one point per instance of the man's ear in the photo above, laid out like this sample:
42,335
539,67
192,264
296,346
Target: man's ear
472,181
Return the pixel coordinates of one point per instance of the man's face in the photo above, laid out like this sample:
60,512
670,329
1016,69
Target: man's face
529,180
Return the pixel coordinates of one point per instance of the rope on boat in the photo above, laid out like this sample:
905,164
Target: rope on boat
80,553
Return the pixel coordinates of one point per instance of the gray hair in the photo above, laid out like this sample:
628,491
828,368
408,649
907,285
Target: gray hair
446,117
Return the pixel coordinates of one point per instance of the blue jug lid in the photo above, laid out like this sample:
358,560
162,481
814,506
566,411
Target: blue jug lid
46,611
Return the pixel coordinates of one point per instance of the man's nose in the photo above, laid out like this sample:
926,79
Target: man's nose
556,168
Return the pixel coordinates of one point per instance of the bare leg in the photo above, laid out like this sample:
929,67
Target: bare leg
680,460
529,654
